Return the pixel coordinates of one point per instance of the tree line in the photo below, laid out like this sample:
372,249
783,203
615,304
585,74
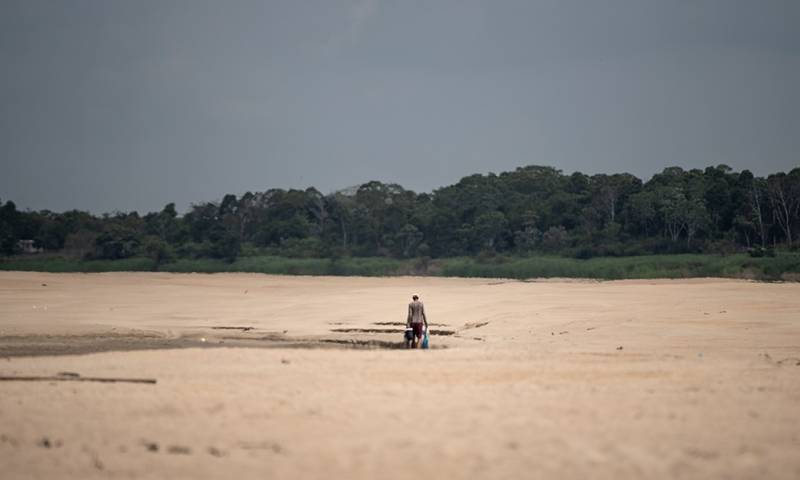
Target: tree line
531,210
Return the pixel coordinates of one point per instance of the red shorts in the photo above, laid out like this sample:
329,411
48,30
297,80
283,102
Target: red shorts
418,329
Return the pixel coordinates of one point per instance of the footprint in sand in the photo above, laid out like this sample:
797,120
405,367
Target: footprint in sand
475,325
179,450
216,452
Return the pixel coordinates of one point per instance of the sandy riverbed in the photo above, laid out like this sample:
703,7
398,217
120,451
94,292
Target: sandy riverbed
296,377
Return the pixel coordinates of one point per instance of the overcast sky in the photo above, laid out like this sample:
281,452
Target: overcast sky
121,105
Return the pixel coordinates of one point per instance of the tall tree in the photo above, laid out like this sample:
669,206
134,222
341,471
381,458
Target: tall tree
784,196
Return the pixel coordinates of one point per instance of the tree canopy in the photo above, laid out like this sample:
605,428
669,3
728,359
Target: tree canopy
533,209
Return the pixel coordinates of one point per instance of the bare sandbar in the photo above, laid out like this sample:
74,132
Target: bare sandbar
299,377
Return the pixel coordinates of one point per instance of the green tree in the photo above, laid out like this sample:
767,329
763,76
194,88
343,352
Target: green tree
408,239
156,249
489,228
116,242
9,220
783,191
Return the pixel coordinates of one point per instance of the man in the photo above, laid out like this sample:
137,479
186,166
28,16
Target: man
416,319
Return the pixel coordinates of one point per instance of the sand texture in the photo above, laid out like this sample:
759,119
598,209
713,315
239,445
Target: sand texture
263,376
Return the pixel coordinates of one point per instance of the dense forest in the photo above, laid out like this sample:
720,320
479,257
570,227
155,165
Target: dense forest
532,210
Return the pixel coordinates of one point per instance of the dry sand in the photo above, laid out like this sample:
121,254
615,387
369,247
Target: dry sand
556,379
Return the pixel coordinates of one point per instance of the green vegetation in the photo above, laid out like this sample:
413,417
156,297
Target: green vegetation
294,266
532,222
784,266
376,266
781,267
64,265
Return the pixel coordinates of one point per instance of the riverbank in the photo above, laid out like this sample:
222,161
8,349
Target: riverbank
785,266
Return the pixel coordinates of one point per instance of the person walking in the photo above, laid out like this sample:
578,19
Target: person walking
416,319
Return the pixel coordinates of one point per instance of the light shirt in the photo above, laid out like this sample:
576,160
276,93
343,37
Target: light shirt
416,312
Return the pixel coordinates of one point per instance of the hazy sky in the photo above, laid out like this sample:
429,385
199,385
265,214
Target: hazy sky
120,105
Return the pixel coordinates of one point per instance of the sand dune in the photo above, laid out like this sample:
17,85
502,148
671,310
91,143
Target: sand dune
297,377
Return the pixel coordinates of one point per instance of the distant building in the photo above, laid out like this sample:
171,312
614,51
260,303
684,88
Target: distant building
27,246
